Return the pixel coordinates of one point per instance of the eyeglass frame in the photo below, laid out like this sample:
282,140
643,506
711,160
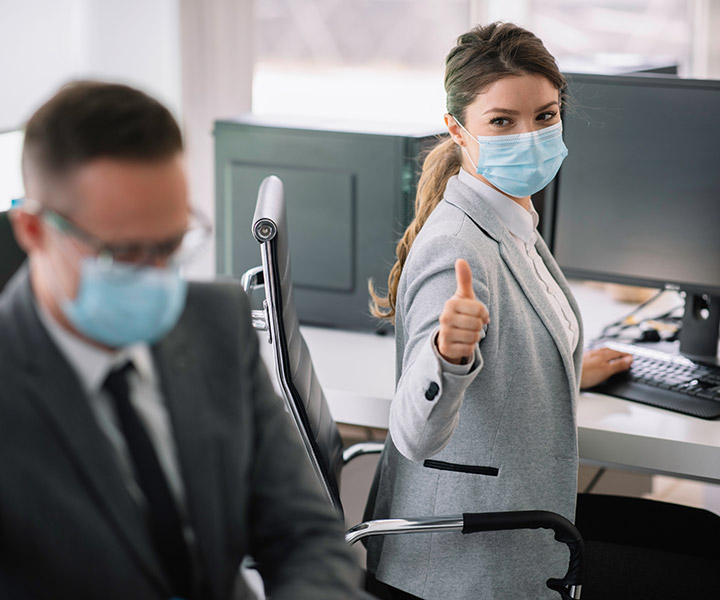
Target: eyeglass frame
107,253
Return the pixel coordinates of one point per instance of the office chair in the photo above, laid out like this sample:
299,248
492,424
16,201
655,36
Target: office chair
648,550
306,403
11,255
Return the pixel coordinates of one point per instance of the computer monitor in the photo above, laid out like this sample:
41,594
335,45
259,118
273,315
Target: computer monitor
637,201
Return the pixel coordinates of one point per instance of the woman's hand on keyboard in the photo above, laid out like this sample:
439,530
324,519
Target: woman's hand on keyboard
601,363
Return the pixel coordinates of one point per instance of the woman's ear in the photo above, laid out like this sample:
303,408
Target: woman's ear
454,130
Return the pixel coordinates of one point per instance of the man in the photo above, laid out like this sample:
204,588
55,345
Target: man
143,452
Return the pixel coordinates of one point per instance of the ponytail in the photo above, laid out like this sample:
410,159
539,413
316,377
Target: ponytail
441,163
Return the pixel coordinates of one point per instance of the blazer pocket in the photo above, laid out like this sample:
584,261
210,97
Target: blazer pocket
457,468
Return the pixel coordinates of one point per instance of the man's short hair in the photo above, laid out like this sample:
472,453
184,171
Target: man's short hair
86,120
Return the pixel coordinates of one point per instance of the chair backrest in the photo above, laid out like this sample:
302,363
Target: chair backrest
11,256
299,384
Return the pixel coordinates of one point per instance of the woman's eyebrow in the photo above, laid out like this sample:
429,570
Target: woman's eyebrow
509,111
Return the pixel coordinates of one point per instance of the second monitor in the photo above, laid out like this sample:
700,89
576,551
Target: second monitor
637,200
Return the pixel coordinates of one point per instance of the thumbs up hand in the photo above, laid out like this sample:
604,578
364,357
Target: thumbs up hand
462,319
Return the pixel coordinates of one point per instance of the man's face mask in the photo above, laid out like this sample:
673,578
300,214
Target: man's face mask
119,304
122,298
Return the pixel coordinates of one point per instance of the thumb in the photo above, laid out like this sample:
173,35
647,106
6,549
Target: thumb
463,275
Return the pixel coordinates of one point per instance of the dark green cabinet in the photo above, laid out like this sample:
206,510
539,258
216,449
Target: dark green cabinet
349,196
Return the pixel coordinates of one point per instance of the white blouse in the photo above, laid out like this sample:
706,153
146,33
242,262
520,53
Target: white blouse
522,225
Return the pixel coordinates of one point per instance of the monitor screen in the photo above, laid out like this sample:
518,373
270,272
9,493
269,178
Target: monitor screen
637,200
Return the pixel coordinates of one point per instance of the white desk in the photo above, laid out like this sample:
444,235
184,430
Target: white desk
357,372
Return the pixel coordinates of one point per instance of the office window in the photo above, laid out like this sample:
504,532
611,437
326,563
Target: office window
615,37
384,59
366,59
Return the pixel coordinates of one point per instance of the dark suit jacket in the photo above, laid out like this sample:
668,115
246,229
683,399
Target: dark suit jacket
68,526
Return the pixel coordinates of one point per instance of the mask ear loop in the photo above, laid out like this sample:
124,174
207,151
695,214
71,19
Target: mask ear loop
464,149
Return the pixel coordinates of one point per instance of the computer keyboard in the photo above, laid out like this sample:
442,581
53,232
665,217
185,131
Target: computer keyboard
668,381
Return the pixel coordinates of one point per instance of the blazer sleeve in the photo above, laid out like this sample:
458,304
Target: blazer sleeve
425,408
296,536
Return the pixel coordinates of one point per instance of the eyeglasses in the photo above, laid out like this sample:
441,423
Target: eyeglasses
177,250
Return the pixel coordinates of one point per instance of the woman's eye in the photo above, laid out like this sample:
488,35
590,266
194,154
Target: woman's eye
546,116
502,121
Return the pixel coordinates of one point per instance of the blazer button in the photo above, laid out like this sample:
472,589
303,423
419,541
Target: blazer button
432,391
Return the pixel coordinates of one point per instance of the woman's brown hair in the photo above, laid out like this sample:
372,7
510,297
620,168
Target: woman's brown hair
481,56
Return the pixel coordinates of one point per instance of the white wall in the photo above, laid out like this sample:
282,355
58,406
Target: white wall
217,74
44,43
11,185
39,48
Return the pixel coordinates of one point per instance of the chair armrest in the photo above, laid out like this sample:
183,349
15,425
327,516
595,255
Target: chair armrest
397,526
569,587
360,449
250,280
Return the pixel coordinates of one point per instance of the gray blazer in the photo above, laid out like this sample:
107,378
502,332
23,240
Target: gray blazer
501,438
68,526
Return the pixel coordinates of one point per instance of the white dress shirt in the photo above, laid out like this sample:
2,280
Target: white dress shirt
92,366
522,225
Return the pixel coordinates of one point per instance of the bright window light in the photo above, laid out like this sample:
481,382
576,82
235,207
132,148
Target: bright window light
11,184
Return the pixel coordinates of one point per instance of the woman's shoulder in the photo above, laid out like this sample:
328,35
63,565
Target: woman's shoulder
450,225
447,235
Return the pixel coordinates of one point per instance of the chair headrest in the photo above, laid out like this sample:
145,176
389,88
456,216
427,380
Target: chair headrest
269,215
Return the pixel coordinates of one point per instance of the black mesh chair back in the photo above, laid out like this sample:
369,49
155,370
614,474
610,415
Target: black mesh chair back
296,374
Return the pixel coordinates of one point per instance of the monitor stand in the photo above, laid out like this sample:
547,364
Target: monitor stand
700,327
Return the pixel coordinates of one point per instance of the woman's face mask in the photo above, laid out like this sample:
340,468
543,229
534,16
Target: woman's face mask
519,164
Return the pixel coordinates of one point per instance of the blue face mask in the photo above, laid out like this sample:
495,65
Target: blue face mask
520,164
119,304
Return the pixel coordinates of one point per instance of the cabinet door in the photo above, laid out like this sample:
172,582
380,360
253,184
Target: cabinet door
345,202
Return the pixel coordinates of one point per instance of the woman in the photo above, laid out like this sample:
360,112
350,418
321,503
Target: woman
489,348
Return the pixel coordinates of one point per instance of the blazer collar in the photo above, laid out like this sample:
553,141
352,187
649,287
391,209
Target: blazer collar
56,391
518,221
474,206
483,215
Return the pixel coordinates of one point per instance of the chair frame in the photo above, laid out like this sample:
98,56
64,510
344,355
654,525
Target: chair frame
265,231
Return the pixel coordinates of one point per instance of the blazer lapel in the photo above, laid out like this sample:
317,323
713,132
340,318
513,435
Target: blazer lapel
483,215
55,390
187,394
532,289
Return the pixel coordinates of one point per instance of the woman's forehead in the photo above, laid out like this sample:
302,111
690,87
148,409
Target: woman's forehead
522,93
